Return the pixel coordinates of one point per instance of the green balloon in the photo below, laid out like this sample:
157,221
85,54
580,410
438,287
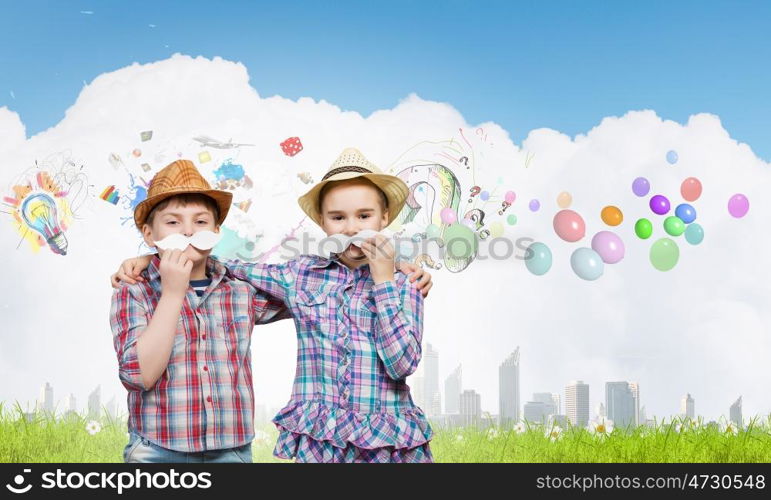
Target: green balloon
511,219
674,226
460,241
664,254
643,229
433,231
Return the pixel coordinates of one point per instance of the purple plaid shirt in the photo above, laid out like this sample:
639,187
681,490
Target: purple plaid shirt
357,343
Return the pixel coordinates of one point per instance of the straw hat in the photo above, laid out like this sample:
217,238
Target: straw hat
180,177
351,164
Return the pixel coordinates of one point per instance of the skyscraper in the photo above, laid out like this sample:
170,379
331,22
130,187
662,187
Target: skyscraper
95,402
620,404
45,402
72,403
635,388
577,403
536,412
470,408
736,412
508,390
547,398
431,395
688,407
452,387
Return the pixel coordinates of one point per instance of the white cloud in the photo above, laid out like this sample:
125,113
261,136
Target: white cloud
702,328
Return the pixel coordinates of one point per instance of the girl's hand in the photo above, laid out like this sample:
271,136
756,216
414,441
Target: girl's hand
380,255
129,270
417,273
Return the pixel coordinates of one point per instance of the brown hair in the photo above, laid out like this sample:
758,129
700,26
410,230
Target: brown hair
185,199
361,181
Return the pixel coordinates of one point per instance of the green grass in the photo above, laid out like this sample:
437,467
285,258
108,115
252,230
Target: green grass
45,439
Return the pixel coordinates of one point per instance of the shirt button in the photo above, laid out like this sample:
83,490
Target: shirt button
205,368
203,336
208,398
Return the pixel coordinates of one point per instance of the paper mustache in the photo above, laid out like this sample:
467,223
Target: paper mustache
338,243
202,240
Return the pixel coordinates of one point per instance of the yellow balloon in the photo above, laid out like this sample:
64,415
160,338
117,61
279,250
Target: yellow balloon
564,199
611,215
496,229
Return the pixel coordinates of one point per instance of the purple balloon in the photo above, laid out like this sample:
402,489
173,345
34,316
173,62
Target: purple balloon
659,204
609,246
534,205
641,186
738,205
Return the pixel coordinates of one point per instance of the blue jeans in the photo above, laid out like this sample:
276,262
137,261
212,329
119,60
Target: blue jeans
141,450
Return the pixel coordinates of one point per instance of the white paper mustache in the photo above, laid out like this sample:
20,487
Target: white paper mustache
338,243
202,240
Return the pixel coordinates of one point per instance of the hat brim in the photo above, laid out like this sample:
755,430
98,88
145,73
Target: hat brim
395,189
223,199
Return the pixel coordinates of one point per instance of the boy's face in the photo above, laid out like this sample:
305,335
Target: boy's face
188,220
350,208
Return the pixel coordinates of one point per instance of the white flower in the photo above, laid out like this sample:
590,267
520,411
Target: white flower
459,438
520,428
728,427
93,427
601,427
492,433
679,427
555,433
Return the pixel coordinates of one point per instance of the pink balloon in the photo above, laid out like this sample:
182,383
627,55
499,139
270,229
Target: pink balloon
569,225
510,197
609,246
448,215
690,189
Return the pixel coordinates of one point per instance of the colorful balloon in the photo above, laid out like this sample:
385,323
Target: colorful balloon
608,246
534,205
686,213
659,204
641,186
511,219
691,189
569,225
643,229
460,241
738,205
611,215
496,229
674,226
564,199
587,264
694,234
538,258
672,157
510,197
664,254
448,215
484,195
433,231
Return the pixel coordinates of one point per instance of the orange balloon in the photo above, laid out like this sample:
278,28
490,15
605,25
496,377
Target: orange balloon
564,199
612,216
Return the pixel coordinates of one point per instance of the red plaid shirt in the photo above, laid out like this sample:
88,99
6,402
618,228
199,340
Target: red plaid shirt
204,400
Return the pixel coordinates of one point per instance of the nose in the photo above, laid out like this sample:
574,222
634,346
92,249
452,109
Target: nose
351,228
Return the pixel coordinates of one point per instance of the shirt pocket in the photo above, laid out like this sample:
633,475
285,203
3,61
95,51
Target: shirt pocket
312,306
365,312
233,334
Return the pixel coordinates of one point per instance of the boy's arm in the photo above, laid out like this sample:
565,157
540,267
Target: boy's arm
267,309
398,326
143,346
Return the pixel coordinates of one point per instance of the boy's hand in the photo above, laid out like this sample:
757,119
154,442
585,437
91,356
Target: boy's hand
417,273
380,255
175,269
128,272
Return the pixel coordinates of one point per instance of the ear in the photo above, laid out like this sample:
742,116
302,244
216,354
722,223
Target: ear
147,234
386,219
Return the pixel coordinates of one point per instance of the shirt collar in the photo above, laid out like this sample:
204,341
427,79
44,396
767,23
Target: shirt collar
322,262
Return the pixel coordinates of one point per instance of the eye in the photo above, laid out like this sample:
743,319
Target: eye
337,217
171,222
202,222
365,216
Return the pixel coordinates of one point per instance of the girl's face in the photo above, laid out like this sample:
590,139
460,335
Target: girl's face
350,208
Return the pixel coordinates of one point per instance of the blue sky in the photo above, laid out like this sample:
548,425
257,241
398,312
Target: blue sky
563,65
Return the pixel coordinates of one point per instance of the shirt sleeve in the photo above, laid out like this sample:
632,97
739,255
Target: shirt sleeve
398,326
271,280
267,309
128,319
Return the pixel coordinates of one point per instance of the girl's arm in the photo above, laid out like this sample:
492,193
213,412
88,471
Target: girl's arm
398,326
